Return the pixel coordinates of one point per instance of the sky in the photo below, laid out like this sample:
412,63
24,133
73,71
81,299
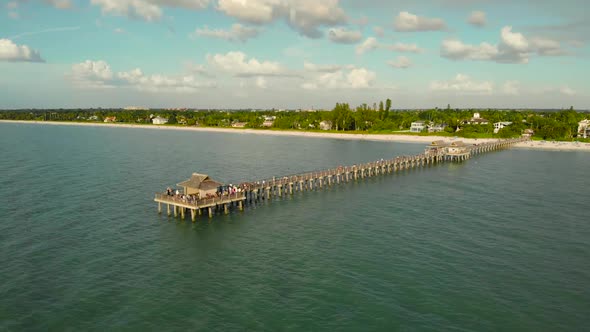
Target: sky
288,54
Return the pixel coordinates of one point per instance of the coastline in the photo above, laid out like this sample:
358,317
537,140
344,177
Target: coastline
541,145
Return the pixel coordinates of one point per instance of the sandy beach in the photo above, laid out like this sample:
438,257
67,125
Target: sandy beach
543,145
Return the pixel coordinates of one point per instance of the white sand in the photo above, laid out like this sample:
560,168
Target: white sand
563,146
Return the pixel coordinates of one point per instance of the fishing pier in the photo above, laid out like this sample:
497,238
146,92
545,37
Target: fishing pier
203,195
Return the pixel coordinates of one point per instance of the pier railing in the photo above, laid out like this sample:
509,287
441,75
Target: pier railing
174,199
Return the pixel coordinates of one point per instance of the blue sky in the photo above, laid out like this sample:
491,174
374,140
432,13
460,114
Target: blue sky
294,53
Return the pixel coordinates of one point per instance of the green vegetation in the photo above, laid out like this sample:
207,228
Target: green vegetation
378,119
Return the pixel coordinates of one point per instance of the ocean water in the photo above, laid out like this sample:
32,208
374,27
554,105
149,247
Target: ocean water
498,243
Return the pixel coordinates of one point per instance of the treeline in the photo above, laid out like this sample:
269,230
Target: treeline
378,118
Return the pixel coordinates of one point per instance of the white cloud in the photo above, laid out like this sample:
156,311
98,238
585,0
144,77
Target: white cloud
514,47
61,4
407,22
355,78
566,90
236,63
261,82
407,48
308,66
379,32
341,35
305,16
401,62
371,44
148,10
98,74
237,32
254,11
91,73
9,51
477,18
511,88
462,84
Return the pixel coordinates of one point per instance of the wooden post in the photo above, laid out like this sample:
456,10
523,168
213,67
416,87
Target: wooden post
241,206
210,213
168,205
159,207
182,212
225,209
193,215
175,211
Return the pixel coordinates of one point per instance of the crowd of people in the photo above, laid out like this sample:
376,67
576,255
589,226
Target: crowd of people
221,192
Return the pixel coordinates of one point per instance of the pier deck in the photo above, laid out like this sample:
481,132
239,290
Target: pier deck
266,189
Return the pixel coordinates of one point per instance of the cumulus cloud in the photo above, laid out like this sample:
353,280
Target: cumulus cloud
379,31
148,10
408,22
61,4
261,82
305,16
311,67
511,88
341,35
11,52
237,32
237,64
98,74
353,78
462,84
477,18
401,62
566,90
371,44
513,47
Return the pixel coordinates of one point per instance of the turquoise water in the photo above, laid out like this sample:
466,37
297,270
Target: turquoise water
498,243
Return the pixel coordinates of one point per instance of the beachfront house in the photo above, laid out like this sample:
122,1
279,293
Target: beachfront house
110,119
326,125
500,125
239,124
417,127
158,120
200,184
268,123
477,120
528,133
584,128
437,128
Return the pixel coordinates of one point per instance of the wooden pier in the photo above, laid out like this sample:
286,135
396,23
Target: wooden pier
267,189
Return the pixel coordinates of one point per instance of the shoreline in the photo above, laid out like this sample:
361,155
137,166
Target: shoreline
541,145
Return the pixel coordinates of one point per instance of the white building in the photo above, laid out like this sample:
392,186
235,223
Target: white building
500,125
476,119
437,128
584,128
417,127
159,120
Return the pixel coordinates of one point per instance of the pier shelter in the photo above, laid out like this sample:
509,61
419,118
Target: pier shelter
458,151
436,147
200,184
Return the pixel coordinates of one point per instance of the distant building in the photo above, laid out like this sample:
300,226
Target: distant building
326,125
135,108
269,118
417,127
239,124
528,133
584,128
93,118
476,119
500,125
159,120
268,123
437,128
110,119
